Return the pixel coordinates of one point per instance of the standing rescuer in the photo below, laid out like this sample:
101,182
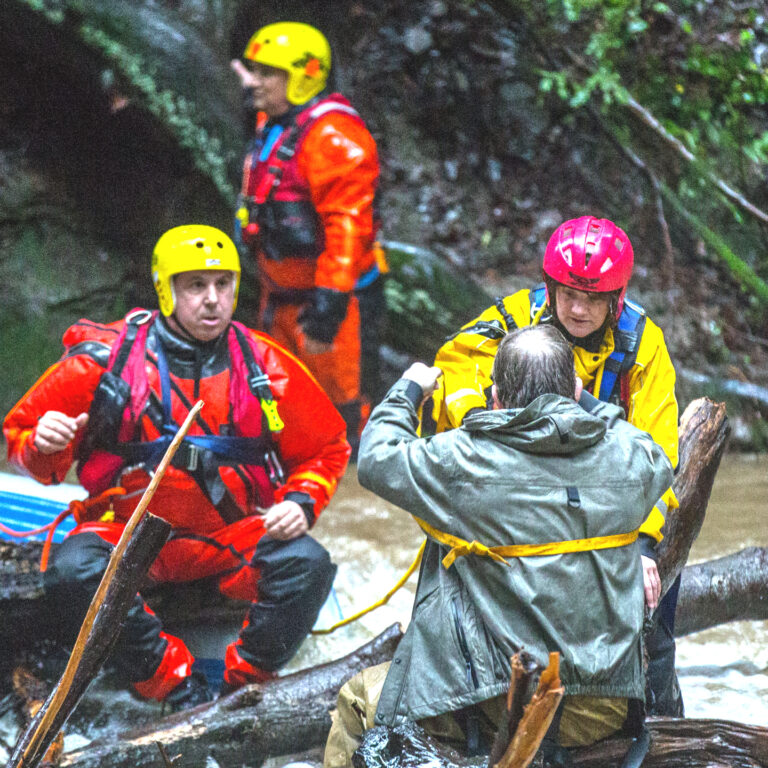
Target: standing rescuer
620,356
307,215
258,465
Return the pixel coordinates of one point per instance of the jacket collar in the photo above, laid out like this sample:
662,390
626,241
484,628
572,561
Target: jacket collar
550,424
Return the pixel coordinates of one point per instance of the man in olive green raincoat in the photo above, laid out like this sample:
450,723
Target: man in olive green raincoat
539,469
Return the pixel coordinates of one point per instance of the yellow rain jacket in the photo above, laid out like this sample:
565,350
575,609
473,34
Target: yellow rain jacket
467,360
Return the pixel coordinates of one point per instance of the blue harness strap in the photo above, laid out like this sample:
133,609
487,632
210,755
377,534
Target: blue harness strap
626,342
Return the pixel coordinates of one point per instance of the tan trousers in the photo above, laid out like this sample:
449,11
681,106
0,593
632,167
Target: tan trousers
585,719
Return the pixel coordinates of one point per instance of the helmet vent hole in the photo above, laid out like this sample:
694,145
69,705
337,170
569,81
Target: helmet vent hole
220,244
618,244
199,244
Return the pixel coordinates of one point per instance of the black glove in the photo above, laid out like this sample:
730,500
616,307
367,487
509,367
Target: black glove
321,318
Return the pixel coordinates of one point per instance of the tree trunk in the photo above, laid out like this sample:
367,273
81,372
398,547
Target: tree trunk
277,718
704,431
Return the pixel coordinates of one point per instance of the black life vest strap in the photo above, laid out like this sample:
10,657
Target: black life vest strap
508,319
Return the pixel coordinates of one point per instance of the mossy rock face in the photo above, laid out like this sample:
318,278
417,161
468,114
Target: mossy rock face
141,52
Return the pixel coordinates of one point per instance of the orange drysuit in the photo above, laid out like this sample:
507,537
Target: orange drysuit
307,216
212,495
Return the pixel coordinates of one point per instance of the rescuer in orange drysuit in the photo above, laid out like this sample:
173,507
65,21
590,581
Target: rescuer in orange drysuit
259,464
306,214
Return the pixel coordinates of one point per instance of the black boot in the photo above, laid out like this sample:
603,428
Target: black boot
190,692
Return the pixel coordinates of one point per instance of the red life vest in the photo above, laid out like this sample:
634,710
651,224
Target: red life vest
251,403
276,214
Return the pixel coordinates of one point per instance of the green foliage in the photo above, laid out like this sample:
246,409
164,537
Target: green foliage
696,68
426,300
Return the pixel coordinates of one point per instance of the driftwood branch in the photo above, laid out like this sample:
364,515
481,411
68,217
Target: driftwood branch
142,549
537,716
277,718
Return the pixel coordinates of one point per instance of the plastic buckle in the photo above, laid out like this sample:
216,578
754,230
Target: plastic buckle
260,380
193,457
138,317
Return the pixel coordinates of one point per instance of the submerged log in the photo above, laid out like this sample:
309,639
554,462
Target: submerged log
278,718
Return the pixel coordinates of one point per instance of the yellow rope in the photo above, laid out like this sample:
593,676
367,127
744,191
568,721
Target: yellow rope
411,568
460,547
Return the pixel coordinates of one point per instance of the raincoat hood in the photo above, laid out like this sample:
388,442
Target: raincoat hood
551,424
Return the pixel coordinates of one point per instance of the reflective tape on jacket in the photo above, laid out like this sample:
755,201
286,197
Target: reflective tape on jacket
461,548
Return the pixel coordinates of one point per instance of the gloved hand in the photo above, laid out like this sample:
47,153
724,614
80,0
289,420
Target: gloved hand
321,318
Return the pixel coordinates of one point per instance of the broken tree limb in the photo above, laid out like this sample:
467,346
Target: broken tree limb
731,588
704,433
93,646
128,565
277,718
537,716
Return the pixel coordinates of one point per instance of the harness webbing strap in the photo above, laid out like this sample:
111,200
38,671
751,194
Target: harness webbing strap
460,547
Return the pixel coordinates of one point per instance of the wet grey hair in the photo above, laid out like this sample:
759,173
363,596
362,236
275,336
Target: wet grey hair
532,361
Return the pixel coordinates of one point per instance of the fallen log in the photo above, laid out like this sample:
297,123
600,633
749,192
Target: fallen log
675,743
730,588
278,718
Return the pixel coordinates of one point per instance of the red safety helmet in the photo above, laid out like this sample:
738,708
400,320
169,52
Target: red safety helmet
590,254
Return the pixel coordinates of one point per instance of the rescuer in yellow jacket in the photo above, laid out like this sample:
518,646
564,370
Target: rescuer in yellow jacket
620,356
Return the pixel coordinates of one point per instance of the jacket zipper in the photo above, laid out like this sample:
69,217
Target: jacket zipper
463,646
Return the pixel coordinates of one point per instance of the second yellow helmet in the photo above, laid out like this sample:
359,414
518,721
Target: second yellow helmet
300,50
187,249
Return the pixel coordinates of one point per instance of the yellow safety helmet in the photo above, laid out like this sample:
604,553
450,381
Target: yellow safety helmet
302,51
187,249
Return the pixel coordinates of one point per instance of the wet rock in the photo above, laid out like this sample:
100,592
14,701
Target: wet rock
417,40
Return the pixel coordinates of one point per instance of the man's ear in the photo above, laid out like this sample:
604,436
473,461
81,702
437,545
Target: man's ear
495,396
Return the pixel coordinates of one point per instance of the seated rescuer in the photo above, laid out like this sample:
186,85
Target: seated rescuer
307,216
261,461
620,356
530,472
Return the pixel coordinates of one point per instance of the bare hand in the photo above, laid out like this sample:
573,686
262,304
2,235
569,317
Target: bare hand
285,521
425,376
651,582
242,72
315,347
55,431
